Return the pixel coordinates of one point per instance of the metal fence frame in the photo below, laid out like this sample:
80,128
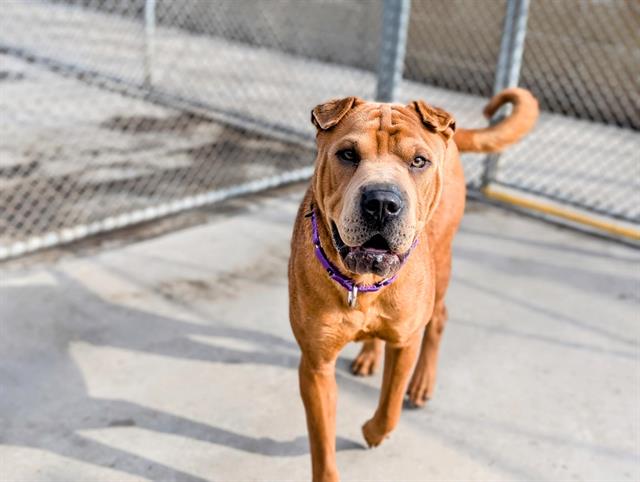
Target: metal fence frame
395,21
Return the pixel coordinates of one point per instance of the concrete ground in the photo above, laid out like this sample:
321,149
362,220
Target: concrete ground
172,359
57,125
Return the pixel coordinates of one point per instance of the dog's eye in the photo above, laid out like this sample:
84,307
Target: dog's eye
420,162
348,155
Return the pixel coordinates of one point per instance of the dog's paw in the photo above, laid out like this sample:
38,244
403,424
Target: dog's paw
372,434
366,363
420,388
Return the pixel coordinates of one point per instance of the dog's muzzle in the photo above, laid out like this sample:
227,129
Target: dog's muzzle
373,256
334,273
378,223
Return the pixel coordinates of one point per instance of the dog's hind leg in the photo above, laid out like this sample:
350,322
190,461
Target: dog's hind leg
398,361
368,360
423,381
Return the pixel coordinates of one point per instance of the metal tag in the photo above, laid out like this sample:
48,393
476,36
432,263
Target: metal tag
352,297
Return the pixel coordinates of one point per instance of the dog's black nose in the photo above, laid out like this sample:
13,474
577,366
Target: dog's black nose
381,204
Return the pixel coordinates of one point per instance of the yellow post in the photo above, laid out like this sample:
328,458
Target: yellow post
539,206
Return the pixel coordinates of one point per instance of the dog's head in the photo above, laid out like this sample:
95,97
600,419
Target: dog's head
378,177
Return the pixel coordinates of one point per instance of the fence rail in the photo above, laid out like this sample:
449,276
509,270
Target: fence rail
119,111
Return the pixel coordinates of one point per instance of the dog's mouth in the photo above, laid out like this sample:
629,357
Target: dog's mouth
376,244
373,256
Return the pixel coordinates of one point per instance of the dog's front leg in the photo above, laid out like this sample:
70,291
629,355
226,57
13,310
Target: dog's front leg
398,362
319,390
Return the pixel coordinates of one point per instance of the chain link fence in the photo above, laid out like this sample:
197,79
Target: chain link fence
581,60
114,112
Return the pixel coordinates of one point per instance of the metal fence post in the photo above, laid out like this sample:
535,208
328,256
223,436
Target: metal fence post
393,42
149,40
508,68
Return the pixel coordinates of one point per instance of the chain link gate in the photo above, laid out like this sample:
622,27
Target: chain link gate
118,111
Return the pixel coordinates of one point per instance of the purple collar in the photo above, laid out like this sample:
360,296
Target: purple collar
335,274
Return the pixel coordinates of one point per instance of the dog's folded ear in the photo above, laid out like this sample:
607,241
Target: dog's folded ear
327,115
435,119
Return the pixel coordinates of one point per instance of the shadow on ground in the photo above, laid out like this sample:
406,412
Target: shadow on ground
41,421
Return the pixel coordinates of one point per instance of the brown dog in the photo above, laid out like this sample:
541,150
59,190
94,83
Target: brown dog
384,203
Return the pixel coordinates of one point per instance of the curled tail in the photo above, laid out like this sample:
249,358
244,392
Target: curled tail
506,132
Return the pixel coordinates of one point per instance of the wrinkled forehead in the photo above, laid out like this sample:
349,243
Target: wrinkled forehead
384,127
392,118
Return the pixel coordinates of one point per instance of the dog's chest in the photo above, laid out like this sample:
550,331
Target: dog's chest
376,321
